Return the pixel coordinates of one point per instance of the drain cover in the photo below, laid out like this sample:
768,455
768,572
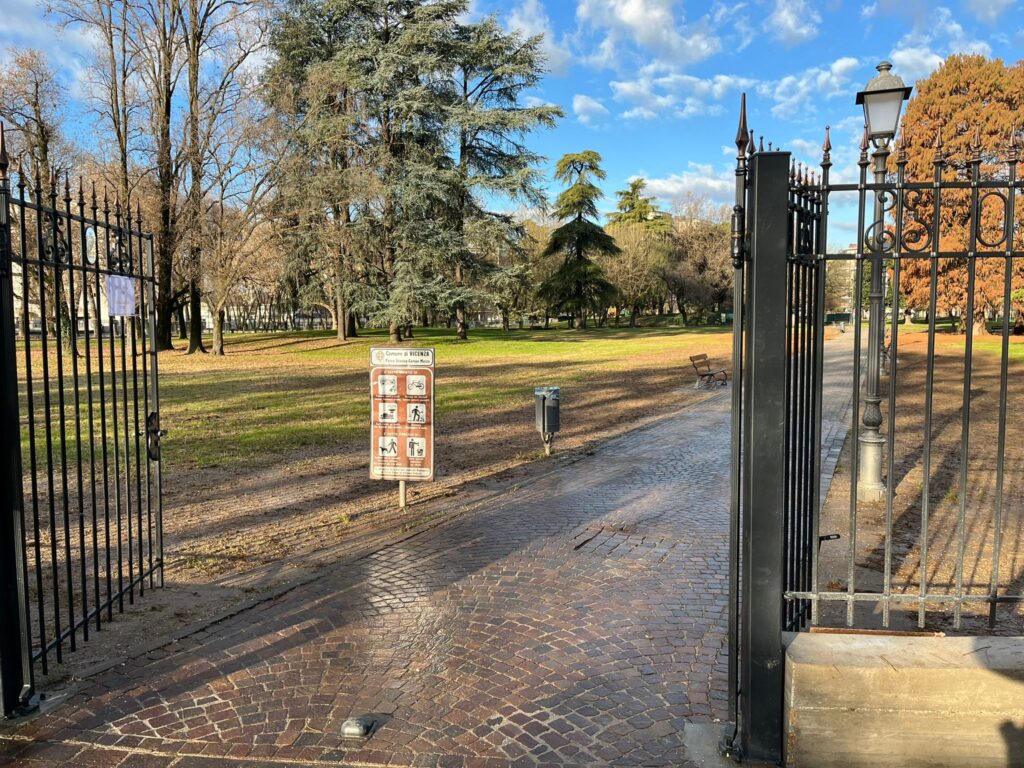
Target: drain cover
357,727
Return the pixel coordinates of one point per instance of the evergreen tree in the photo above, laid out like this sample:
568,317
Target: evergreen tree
492,69
579,285
637,208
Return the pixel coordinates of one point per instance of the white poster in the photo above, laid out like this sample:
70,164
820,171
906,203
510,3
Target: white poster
120,296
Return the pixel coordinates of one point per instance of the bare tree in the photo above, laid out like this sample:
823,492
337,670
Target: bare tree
220,38
31,106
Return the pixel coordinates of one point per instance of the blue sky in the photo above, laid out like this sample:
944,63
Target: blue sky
654,85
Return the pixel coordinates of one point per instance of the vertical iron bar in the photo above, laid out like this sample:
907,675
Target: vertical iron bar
965,425
132,256
59,251
114,415
154,400
90,400
1008,232
15,656
858,291
79,477
822,247
105,444
926,457
31,407
47,407
739,214
901,166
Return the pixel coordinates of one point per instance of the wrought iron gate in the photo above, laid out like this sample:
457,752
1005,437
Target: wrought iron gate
81,511
782,258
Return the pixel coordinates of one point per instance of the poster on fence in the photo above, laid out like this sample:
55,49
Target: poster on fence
120,296
401,413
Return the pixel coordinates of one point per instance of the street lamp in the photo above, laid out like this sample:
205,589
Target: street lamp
882,100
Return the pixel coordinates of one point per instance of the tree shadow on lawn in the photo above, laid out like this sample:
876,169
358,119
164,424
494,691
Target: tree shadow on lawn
347,482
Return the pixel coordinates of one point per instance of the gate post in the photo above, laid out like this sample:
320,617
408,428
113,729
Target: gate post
15,662
764,419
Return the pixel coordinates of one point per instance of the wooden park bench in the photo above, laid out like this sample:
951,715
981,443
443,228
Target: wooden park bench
705,373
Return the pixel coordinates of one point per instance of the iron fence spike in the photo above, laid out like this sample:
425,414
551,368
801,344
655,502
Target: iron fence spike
750,144
864,140
760,144
741,131
827,146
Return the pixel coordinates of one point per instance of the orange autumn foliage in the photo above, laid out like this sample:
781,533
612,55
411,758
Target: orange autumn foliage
967,98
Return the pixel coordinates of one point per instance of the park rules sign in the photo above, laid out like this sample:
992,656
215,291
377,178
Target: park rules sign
401,413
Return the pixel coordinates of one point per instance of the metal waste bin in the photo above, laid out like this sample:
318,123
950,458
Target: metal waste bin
547,404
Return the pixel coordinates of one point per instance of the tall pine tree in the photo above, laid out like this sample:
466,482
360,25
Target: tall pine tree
579,285
492,69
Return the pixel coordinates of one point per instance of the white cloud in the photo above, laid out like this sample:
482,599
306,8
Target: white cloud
699,179
798,93
588,109
989,11
535,101
913,63
649,24
657,92
530,18
868,11
793,21
922,50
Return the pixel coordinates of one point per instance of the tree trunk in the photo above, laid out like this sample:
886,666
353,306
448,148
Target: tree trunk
182,322
504,320
218,333
408,330
618,314
394,333
424,318
195,320
461,324
633,312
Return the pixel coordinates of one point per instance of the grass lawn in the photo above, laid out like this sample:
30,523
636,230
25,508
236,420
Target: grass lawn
273,394
267,454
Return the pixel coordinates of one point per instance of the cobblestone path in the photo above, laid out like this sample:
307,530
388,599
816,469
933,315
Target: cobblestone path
579,622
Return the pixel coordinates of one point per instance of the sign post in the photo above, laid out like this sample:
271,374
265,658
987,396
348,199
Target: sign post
402,415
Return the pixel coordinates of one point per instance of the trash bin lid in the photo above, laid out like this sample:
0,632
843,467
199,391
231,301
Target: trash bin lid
548,391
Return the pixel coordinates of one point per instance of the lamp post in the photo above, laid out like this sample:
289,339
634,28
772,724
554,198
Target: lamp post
882,100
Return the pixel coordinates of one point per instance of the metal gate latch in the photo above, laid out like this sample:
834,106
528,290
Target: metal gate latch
153,435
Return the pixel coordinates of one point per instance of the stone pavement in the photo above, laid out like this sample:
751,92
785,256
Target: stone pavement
579,621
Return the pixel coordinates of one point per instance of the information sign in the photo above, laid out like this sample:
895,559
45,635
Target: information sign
402,413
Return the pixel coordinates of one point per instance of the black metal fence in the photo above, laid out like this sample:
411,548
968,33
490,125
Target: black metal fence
86,522
927,492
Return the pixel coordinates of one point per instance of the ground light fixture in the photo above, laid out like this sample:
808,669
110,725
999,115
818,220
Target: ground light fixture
882,100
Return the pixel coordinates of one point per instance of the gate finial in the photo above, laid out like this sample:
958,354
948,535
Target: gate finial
976,145
741,132
826,148
4,160
750,144
939,155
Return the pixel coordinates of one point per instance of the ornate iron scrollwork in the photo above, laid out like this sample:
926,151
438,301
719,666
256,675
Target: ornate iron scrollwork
1002,229
917,233
878,239
55,245
117,259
